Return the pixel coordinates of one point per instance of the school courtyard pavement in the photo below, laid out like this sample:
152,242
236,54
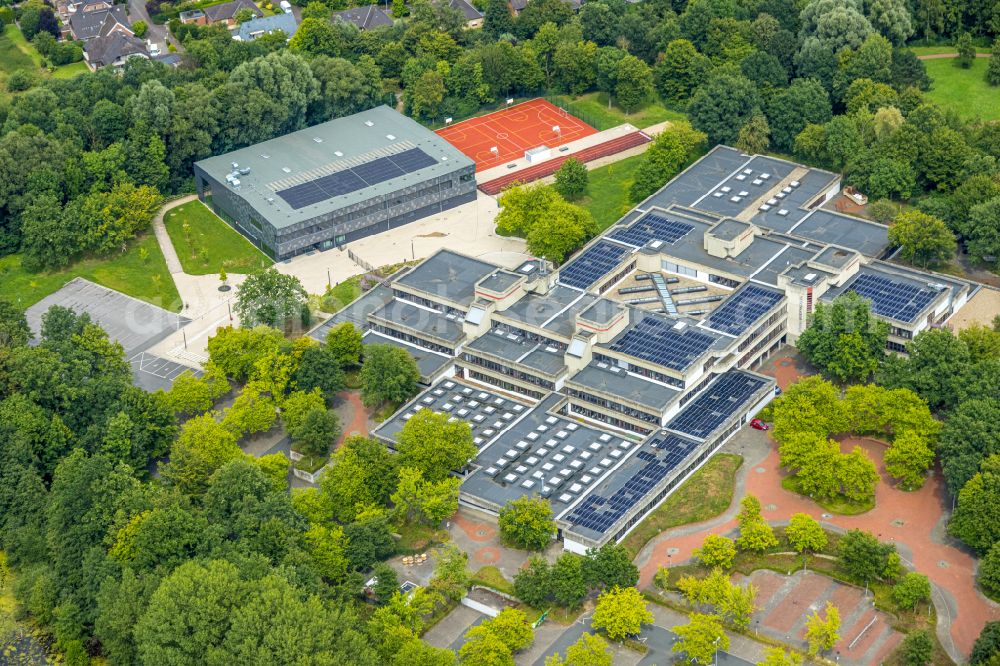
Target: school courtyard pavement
469,229
914,521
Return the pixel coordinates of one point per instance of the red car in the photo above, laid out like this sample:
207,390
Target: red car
757,424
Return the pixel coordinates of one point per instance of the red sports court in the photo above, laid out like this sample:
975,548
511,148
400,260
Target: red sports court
514,130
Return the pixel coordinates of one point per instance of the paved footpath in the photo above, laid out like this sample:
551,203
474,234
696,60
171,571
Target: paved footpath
914,521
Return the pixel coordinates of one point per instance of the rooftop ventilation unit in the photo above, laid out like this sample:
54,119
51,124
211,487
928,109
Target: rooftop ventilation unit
369,123
236,165
245,171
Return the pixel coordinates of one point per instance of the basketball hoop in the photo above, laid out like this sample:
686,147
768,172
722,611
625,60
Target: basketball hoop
495,151
557,130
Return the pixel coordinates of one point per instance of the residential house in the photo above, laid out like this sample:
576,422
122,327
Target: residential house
517,6
365,18
473,17
67,8
88,25
113,50
194,16
258,27
226,12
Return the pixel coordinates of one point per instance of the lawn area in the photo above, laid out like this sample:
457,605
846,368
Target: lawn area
946,48
592,108
705,495
964,90
608,186
146,279
205,244
16,53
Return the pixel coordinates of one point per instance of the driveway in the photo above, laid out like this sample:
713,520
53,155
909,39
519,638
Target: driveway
158,34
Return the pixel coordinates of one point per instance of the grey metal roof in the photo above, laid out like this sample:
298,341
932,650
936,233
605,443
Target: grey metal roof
728,229
602,311
869,238
449,275
546,454
694,182
432,324
617,382
835,257
304,157
787,210
515,349
556,310
487,412
501,281
468,11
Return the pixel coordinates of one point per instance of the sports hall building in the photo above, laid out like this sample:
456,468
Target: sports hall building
603,384
335,182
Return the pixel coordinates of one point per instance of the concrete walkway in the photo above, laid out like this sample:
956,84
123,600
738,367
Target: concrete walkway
163,238
203,303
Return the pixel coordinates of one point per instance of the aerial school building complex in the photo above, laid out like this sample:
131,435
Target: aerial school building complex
335,182
603,384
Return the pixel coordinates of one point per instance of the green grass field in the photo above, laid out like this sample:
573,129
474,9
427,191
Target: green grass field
593,108
146,279
705,495
964,90
205,244
608,186
16,53
946,48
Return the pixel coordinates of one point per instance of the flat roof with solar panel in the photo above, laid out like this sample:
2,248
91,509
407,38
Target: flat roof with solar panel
595,262
650,227
659,457
672,343
743,309
895,295
727,393
287,193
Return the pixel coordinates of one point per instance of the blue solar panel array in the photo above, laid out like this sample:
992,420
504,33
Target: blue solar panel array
652,226
656,340
742,309
595,262
600,513
356,178
718,402
893,299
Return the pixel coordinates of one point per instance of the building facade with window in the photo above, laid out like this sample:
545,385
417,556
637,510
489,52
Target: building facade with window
335,182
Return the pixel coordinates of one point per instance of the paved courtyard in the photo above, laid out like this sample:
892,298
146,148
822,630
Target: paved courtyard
913,520
785,602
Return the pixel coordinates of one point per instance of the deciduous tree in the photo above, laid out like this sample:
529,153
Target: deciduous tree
805,533
822,633
269,298
716,551
701,638
527,522
389,374
924,239
621,612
